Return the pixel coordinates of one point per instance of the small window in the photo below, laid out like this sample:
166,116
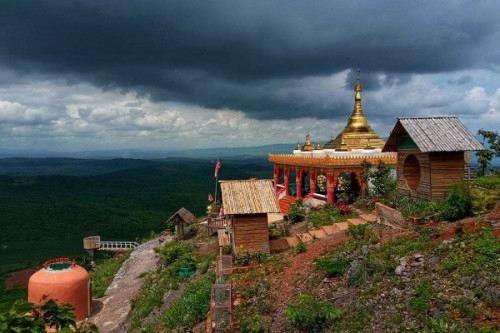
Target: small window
411,172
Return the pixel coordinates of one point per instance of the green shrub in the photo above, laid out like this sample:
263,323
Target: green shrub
420,300
254,324
451,264
28,317
310,315
488,182
205,266
383,180
301,247
457,203
360,270
441,326
333,266
172,251
358,231
488,245
296,212
192,306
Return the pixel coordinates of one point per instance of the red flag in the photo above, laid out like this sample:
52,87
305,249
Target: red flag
210,198
217,167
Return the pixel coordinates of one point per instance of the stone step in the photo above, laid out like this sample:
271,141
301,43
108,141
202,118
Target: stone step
343,226
370,217
305,238
330,229
317,234
356,221
292,241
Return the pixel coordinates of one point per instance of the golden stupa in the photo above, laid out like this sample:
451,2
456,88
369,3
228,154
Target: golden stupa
357,134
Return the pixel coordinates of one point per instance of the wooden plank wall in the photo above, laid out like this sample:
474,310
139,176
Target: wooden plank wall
446,168
251,231
423,190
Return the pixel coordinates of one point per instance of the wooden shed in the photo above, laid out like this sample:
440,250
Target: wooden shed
430,154
181,218
246,205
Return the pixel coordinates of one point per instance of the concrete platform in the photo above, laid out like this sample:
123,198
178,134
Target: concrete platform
292,241
278,245
317,234
356,221
343,226
330,229
370,218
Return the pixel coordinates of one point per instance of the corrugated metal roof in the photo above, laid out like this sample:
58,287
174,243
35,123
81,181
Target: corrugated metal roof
433,134
249,197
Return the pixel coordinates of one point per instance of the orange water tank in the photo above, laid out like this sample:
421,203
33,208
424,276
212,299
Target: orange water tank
65,282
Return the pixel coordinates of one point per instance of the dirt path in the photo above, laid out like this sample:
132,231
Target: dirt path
113,317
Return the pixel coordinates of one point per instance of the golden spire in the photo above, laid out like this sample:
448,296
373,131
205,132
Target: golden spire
298,145
308,146
357,119
318,147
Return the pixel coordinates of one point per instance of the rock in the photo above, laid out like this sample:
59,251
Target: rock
436,313
417,256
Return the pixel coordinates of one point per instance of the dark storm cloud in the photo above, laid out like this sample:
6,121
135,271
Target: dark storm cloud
229,54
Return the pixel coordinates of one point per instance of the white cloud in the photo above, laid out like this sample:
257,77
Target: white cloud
57,116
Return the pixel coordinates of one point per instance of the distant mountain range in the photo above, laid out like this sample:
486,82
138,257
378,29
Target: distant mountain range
256,154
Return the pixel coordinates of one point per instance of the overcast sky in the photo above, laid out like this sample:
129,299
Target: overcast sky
161,74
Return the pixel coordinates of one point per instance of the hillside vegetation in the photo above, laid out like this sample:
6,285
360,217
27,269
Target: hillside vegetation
47,216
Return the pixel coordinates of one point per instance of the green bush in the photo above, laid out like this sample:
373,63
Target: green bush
333,266
27,317
358,231
310,315
489,182
192,306
172,251
296,212
360,270
457,203
254,324
420,300
301,247
383,180
488,245
451,264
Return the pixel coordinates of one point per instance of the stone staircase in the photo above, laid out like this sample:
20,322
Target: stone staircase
338,229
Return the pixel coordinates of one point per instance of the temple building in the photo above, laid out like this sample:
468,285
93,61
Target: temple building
322,171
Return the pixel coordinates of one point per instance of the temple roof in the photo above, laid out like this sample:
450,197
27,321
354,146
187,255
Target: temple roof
432,134
357,134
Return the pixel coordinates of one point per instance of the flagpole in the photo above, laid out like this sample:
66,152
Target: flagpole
216,180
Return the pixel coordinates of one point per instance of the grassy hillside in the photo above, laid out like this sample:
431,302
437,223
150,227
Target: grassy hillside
47,216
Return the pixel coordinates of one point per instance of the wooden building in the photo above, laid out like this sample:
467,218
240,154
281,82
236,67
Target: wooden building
430,154
246,205
181,218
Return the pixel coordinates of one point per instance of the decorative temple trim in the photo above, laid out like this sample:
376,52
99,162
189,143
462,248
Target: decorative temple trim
357,160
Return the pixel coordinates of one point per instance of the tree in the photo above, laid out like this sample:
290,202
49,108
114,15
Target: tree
382,180
485,156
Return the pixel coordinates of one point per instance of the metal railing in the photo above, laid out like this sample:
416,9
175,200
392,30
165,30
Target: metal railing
111,245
